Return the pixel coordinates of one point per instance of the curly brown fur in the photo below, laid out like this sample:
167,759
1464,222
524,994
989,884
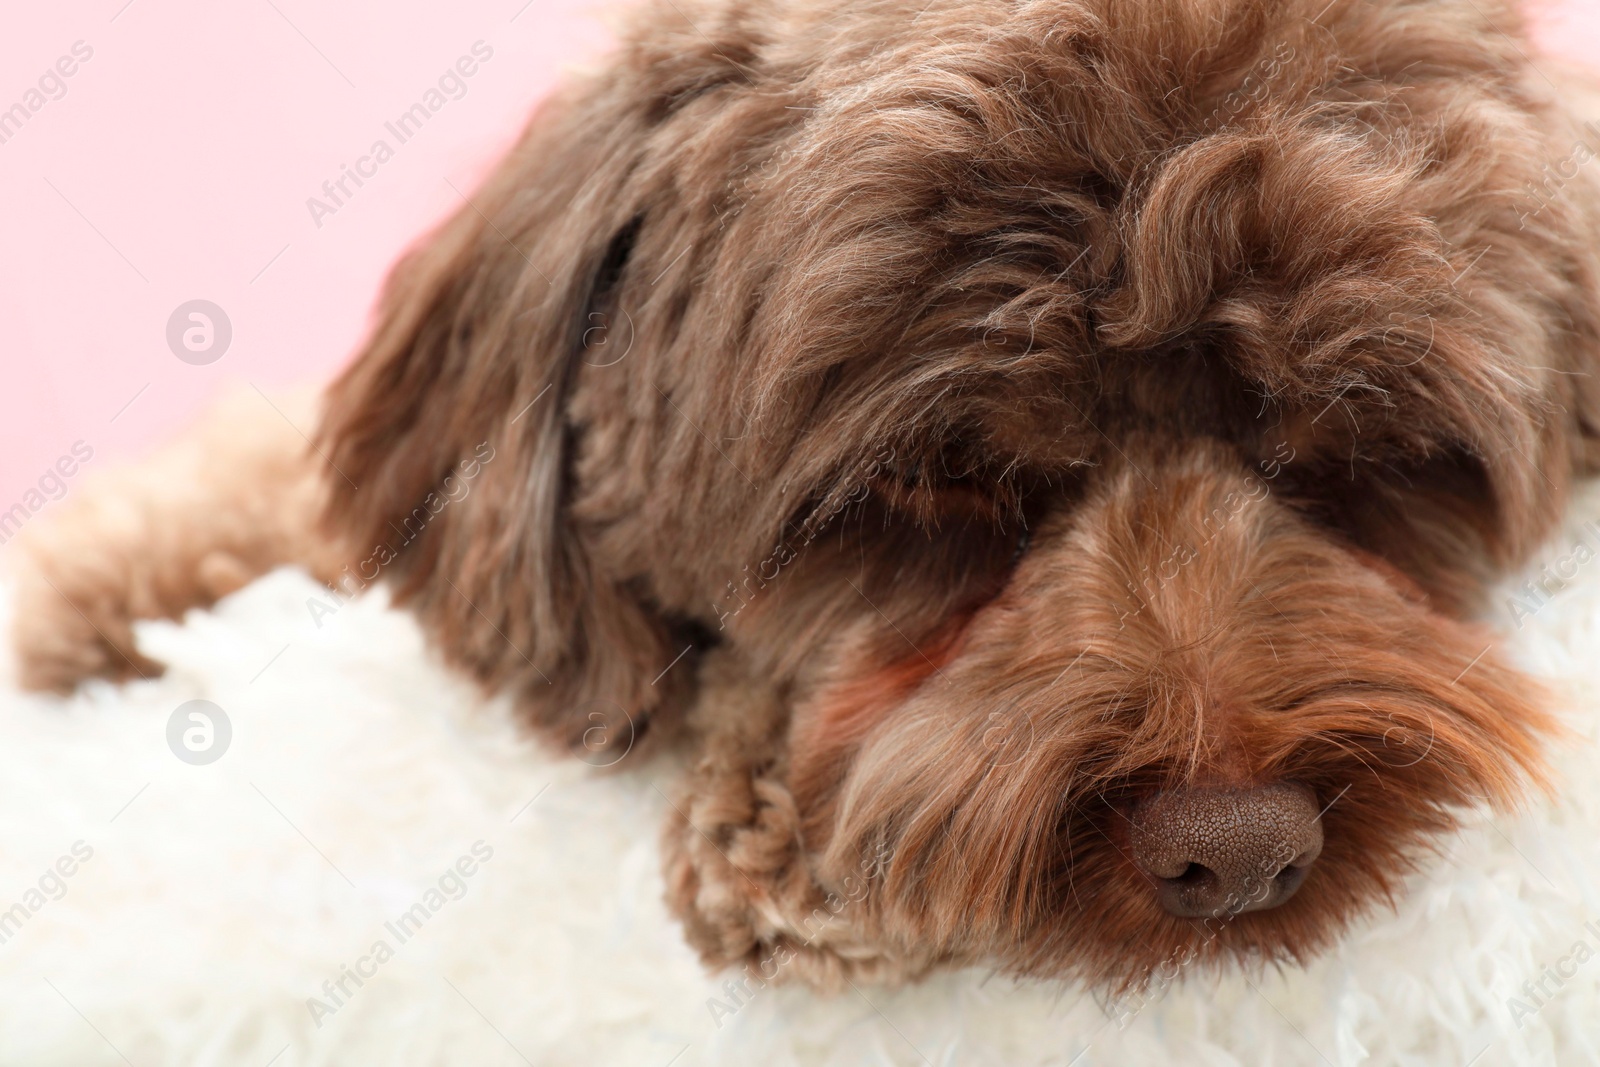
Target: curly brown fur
970,418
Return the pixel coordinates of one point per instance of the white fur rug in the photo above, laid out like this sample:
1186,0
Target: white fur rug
216,900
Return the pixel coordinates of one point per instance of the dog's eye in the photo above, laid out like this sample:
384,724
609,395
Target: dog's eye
1024,539
941,487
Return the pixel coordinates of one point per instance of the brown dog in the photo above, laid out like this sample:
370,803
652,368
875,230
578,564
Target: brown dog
1040,454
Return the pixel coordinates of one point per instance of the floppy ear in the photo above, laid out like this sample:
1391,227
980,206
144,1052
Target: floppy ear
451,441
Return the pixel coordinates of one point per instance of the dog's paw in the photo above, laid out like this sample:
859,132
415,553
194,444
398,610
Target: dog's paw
735,871
70,624
733,863
229,500
737,879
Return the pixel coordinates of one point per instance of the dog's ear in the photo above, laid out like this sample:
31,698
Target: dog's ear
449,437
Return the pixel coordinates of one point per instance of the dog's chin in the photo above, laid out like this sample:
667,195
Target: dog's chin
996,778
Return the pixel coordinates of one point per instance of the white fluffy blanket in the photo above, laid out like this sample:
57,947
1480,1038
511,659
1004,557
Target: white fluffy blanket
374,826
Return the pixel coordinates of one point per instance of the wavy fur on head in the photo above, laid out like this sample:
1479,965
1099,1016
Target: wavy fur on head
968,418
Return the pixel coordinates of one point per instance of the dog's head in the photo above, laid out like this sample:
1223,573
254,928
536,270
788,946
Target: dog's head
1089,417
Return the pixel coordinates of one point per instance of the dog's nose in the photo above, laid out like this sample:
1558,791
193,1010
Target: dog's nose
1224,851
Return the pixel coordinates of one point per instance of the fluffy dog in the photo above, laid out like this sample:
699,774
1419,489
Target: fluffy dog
1039,456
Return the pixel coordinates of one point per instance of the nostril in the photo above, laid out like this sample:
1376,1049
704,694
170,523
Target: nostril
1194,874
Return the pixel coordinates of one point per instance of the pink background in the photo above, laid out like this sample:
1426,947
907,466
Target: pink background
191,141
